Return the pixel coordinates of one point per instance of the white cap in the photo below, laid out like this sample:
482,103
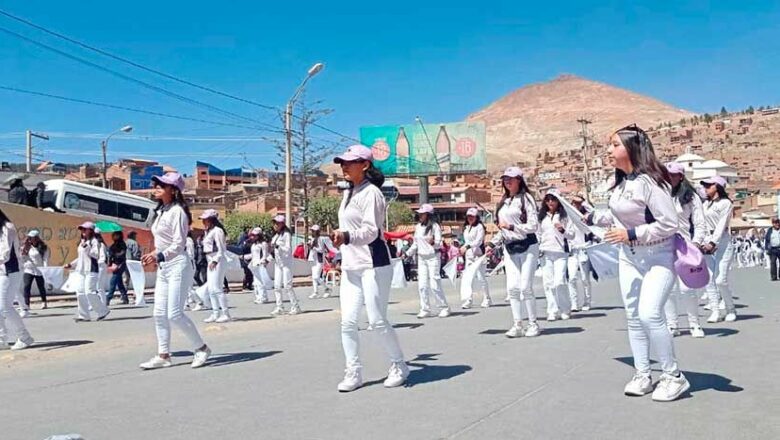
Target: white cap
256,231
315,228
425,208
33,233
513,172
280,218
472,212
209,213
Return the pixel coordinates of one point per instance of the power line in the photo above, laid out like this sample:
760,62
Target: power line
165,75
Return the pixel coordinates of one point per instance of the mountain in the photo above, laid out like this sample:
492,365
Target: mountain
543,116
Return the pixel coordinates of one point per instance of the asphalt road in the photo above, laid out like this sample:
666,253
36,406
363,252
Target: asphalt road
275,378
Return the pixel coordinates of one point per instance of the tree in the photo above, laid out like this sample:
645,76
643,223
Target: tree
398,213
723,111
682,122
237,222
707,118
750,110
324,211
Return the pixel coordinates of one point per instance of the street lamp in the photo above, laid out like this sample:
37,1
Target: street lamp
104,145
313,70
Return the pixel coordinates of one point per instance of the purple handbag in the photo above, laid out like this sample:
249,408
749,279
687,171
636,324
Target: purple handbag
689,263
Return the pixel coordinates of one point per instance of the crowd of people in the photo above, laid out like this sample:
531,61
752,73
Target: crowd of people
652,208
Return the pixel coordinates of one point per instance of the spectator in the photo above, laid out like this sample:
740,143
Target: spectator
200,262
35,254
772,246
117,265
133,249
17,193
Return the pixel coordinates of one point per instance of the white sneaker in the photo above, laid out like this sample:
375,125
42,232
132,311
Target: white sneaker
507,298
326,294
486,303
670,388
257,301
565,316
353,380
585,308
731,316
21,345
515,332
424,314
225,317
466,304
397,375
533,330
200,357
198,307
155,363
24,313
674,330
212,318
313,296
722,305
714,317
697,332
707,307
551,317
575,309
278,310
295,310
444,313
639,385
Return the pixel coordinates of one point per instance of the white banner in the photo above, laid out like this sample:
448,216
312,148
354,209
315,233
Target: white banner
451,269
53,275
467,279
576,218
138,279
604,259
399,277
73,280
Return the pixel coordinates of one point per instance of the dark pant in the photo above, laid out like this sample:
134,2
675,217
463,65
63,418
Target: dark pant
117,282
28,280
200,275
774,255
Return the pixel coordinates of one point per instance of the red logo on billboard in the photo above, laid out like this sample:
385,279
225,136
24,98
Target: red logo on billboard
380,150
465,147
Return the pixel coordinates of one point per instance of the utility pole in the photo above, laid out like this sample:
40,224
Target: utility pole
584,132
103,148
28,151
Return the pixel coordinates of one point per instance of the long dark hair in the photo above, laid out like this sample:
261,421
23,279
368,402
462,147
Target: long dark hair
178,199
375,176
544,210
642,156
28,243
283,229
722,194
466,223
429,222
3,219
684,192
522,193
215,223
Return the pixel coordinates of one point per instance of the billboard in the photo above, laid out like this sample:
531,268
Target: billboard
141,177
427,149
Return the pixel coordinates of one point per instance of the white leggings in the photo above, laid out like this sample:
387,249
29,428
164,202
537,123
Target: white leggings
646,278
720,267
170,294
554,282
480,279
260,284
9,285
213,288
283,283
316,277
579,269
87,296
372,288
520,270
429,280
683,297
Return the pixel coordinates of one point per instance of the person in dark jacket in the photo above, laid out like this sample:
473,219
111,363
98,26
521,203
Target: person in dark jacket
117,263
772,246
17,193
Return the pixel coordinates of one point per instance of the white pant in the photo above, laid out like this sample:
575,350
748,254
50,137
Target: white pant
480,279
579,269
686,298
170,292
316,278
372,288
646,278
18,295
213,288
261,289
283,283
520,270
87,296
720,266
9,285
429,280
101,282
554,282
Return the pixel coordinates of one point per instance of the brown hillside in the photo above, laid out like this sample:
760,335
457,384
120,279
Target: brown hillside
544,116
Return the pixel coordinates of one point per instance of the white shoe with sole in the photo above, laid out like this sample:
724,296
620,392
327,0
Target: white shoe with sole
639,385
552,317
670,388
353,380
731,316
424,314
21,345
697,332
714,316
313,296
397,375
278,310
444,313
295,310
585,308
466,304
565,316
674,330
212,318
155,363
197,308
225,317
515,332
486,303
533,330
200,357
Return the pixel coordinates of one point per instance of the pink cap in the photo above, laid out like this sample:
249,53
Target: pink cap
690,264
353,153
513,172
472,212
87,225
425,208
714,180
315,227
280,218
209,213
675,168
172,179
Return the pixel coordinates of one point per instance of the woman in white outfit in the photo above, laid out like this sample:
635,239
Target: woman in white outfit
578,266
258,259
718,247
215,246
281,248
518,224
86,272
426,244
318,249
555,231
643,221
102,265
473,248
10,283
691,225
366,270
174,272
35,255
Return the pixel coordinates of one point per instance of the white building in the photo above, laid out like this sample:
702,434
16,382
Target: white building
697,168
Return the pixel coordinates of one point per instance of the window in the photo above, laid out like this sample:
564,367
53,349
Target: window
132,212
109,208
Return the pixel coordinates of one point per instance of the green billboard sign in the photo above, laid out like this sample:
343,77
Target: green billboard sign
427,149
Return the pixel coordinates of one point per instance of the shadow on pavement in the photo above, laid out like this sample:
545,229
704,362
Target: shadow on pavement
127,318
51,315
256,318
561,330
463,313
698,381
580,315
426,373
56,345
607,308
409,325
316,311
237,358
720,332
746,317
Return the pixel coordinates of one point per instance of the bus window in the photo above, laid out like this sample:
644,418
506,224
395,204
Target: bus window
131,212
86,203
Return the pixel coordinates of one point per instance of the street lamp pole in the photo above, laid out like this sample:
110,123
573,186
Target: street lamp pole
288,113
104,146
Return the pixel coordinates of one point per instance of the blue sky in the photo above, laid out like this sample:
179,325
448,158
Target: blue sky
385,63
